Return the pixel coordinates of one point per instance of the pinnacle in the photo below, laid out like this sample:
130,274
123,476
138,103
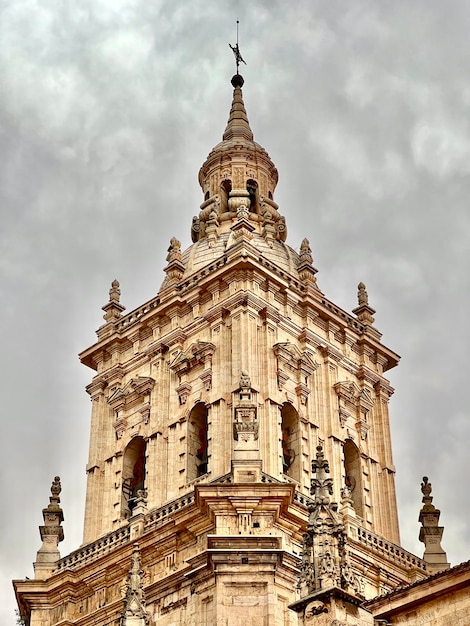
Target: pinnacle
238,125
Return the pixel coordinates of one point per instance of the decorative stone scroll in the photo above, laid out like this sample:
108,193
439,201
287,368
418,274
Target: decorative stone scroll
183,392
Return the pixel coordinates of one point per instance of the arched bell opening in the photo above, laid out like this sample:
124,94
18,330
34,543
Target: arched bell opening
353,475
290,441
225,189
198,442
133,474
252,188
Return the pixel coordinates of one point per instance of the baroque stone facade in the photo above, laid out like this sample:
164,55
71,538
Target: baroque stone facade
211,405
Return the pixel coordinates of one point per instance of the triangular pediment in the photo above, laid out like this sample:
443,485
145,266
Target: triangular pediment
291,356
197,353
136,388
347,390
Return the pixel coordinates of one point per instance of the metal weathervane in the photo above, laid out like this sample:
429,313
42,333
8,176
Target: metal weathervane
236,51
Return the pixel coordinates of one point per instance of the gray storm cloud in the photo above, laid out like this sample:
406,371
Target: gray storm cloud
108,109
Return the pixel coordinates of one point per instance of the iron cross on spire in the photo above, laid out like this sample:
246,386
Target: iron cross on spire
236,51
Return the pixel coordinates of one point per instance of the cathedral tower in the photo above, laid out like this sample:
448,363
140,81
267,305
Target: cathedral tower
209,403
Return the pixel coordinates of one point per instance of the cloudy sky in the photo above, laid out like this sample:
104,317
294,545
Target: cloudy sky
107,110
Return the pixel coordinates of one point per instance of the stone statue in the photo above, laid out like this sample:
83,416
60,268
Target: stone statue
245,381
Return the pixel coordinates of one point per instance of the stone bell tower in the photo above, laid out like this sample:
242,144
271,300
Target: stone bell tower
209,405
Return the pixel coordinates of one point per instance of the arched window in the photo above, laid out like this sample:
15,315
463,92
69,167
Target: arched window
353,474
252,188
290,441
225,189
197,442
207,195
133,474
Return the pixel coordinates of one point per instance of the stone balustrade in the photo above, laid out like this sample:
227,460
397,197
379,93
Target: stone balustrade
392,551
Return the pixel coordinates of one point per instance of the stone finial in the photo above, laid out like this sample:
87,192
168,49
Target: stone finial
51,534
363,311
175,268
362,295
56,488
321,487
305,252
174,251
113,309
135,613
306,270
426,490
115,292
430,532
325,558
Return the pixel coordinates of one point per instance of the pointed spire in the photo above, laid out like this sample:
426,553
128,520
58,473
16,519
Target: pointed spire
325,559
430,532
238,174
238,126
135,613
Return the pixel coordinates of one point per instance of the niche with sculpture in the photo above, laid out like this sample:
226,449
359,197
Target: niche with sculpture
353,475
290,441
133,475
198,442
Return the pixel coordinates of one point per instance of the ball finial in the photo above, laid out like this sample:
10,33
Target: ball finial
237,80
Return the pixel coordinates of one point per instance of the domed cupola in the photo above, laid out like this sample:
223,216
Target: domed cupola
238,175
